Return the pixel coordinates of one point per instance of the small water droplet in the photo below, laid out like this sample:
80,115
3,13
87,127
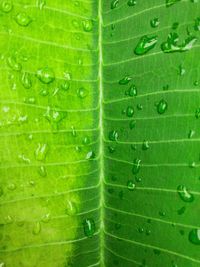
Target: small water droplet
11,187
90,155
194,236
26,80
145,44
154,22
145,145
181,70
197,24
132,91
8,219
42,171
130,185
45,75
46,218
23,19
162,106
132,124
71,208
129,112
114,4
13,64
184,193
86,140
41,152
197,113
82,92
191,133
30,100
6,6
131,2
36,228
181,210
175,25
162,213
44,92
89,227
125,80
171,2
113,135
136,166
87,25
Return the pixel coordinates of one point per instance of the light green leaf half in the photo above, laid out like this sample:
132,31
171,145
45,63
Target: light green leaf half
99,133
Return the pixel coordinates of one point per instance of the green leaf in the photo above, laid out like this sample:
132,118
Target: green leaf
99,133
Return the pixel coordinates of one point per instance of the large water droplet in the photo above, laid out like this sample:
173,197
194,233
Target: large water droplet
184,194
46,75
132,124
46,218
114,4
89,227
23,19
194,236
6,6
90,155
162,106
145,44
26,80
41,152
197,24
132,91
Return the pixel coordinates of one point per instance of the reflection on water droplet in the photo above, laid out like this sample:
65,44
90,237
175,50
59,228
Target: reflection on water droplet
6,6
131,2
45,75
197,24
171,2
89,227
130,185
194,236
41,152
36,228
71,208
184,194
181,70
136,166
113,135
125,80
41,4
13,64
23,19
154,22
54,116
145,44
114,4
65,86
162,106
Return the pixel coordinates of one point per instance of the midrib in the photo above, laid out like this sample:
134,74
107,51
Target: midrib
101,150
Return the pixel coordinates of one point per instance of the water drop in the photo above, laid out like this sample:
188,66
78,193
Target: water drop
181,70
89,227
42,171
132,124
114,4
194,236
82,92
26,80
8,219
71,208
145,44
129,112
197,24
46,218
130,185
184,193
154,22
13,64
181,210
11,187
41,152
132,2
145,145
162,106
45,75
6,6
87,25
23,19
132,91
86,140
197,113
136,166
90,155
171,2
113,135
36,228
125,80
30,100
65,86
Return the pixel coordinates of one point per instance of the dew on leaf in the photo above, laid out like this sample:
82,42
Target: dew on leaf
6,6
145,145
197,24
30,100
129,112
171,2
162,106
111,149
41,152
181,210
36,228
125,80
45,75
175,25
194,236
42,171
197,113
145,44
46,218
113,135
13,64
139,106
132,124
132,91
196,83
11,187
26,80
184,193
87,25
8,219
191,133
89,227
41,4
71,208
181,70
23,19
154,22
114,4
131,2
130,185
82,92
136,166
90,155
